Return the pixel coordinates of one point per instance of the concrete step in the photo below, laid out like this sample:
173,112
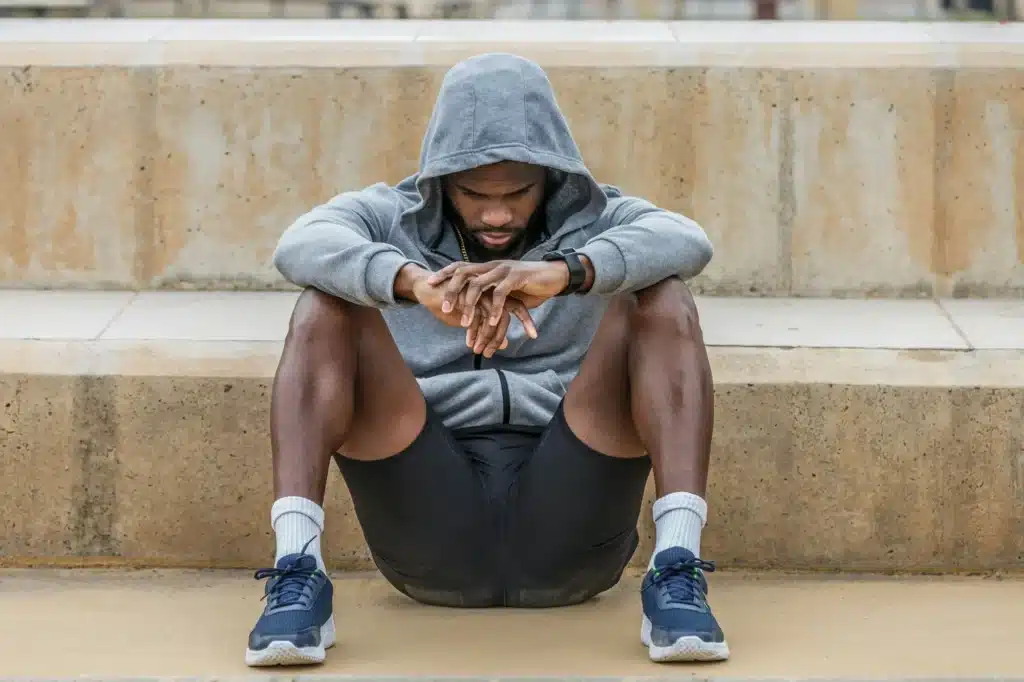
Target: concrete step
850,434
157,625
837,159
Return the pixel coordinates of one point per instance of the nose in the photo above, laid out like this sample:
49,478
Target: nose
496,216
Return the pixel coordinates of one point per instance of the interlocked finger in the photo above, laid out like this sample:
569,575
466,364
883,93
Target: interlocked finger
485,335
499,336
475,288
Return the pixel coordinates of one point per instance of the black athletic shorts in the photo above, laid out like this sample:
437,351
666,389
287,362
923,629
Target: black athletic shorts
499,516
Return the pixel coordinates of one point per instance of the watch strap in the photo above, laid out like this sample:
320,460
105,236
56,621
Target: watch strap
577,271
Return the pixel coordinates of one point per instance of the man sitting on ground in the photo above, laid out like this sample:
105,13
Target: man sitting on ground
496,352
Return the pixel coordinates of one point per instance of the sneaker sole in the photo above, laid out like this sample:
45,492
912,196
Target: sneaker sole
286,653
683,649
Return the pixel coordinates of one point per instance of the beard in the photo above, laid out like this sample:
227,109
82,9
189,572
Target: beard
522,237
514,246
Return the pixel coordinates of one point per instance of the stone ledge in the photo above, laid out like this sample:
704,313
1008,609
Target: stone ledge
137,410
353,43
773,322
738,366
888,181
157,453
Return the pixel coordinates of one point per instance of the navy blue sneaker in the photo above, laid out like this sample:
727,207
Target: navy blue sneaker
297,625
678,624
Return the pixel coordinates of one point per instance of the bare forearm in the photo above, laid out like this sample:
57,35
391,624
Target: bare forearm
405,282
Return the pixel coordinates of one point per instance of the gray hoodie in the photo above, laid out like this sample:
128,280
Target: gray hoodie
490,108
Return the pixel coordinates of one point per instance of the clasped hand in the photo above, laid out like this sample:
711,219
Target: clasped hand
483,297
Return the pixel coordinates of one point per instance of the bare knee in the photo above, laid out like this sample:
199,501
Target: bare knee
619,315
668,308
320,316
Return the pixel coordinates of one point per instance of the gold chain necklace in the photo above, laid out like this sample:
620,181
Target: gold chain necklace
462,245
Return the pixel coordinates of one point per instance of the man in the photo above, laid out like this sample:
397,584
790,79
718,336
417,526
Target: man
496,352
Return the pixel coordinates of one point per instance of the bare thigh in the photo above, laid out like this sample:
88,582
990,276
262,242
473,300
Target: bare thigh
597,404
389,410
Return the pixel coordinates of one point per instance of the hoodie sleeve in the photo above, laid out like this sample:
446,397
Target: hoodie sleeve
644,245
341,249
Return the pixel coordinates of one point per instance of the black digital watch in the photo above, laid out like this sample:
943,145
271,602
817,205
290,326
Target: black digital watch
577,272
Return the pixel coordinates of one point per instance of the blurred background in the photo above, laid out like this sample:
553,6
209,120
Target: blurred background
793,10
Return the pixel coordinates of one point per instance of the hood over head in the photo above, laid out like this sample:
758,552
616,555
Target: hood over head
501,107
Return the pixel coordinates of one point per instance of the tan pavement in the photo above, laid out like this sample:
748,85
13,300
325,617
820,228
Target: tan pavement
61,624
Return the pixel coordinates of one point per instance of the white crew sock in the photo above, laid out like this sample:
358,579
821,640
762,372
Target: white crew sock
296,521
678,521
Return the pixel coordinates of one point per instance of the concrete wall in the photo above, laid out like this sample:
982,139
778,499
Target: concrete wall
824,159
158,454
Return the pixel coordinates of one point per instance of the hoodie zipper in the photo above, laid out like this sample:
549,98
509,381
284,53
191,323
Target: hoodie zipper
478,358
502,531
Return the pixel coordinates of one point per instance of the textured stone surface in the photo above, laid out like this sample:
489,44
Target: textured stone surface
74,180
980,219
738,187
851,160
988,324
245,152
727,180
194,484
863,160
194,478
823,459
30,314
40,466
